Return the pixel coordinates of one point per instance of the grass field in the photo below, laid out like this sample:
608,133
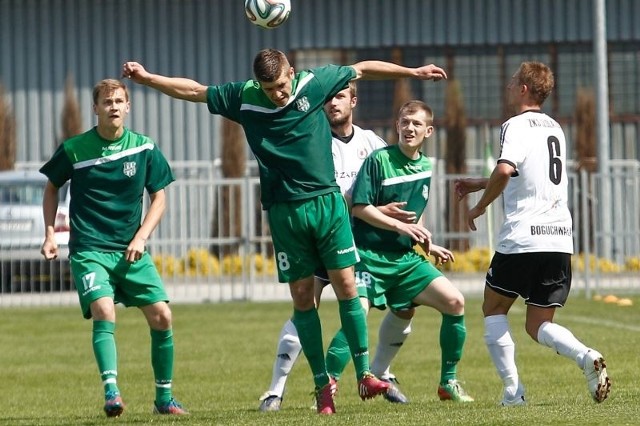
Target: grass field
224,354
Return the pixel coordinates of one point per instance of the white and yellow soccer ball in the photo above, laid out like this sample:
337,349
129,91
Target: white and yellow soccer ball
267,13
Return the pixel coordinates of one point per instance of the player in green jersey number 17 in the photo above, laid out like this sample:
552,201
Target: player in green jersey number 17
109,168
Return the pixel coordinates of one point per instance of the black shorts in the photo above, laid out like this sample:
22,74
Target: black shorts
541,279
322,275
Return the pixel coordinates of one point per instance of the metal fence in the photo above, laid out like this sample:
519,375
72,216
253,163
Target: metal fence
201,261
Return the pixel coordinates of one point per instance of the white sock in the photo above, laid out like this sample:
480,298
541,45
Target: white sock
289,348
502,350
562,341
391,336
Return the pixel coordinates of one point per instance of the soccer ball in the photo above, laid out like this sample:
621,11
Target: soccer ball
267,13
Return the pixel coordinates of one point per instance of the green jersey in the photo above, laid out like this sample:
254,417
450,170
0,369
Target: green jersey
386,176
292,144
108,179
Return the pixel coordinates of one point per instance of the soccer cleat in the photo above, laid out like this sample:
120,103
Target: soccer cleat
369,386
517,399
324,398
270,402
452,391
172,407
334,391
113,405
595,370
394,394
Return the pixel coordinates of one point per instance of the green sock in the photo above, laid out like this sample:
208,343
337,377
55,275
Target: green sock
310,333
338,355
354,327
452,336
162,363
104,349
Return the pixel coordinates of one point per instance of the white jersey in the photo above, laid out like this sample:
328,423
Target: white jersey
349,156
537,216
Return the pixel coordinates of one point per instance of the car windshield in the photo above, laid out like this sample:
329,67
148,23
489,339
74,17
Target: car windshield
23,193
27,193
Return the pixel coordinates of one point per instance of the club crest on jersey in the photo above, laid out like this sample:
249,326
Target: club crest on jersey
129,168
302,104
425,192
362,153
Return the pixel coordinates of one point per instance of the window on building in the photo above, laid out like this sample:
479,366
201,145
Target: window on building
624,79
575,71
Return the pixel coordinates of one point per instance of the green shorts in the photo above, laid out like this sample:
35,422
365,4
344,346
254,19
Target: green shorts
393,279
101,274
311,233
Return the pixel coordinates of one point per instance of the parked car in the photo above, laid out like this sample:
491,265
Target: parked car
22,267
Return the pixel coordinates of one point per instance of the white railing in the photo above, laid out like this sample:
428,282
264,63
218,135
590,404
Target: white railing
200,264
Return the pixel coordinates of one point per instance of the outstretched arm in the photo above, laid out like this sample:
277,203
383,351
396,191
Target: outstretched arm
495,185
176,87
464,186
380,70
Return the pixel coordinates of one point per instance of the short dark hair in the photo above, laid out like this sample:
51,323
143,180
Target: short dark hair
107,86
269,64
415,106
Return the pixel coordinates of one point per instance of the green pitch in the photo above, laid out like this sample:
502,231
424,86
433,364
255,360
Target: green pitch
224,354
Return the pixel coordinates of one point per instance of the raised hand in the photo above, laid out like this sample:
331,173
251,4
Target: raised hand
134,71
431,72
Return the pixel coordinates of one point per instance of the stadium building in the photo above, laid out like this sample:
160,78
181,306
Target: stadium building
44,44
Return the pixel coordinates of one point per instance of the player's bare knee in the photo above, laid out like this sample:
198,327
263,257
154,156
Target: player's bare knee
164,320
158,316
103,309
455,305
303,301
532,329
345,291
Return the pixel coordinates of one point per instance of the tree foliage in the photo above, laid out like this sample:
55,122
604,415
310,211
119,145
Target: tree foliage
456,126
7,133
585,121
585,142
227,214
71,116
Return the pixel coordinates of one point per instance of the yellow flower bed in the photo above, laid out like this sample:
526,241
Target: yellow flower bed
580,262
478,260
632,264
200,262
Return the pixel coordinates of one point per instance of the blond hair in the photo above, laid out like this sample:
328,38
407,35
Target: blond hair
538,78
106,86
